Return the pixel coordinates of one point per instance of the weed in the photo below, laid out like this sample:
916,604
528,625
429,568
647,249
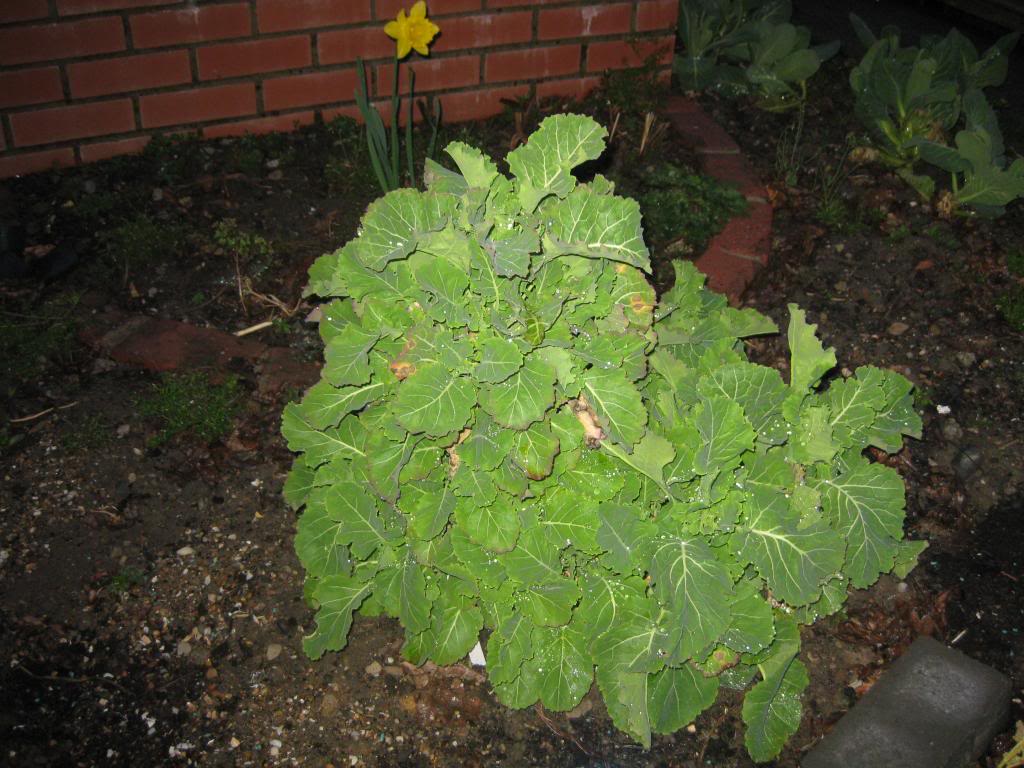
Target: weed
88,434
942,236
346,165
249,154
898,235
1011,306
31,342
122,581
190,403
1015,262
142,241
790,153
922,398
683,209
174,159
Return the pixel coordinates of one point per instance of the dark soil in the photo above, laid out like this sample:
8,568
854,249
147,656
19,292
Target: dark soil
150,600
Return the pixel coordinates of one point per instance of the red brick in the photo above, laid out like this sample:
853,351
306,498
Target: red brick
66,40
726,273
32,162
471,105
586,21
573,87
30,86
74,7
431,75
78,121
345,45
131,73
103,150
657,15
734,170
333,112
275,124
533,63
511,3
23,10
190,25
254,56
388,9
283,15
747,237
197,106
305,90
484,31
622,55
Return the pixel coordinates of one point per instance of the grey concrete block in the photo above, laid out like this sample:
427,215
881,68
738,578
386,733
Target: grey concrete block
934,708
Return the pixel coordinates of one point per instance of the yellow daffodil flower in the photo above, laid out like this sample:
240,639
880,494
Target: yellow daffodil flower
413,32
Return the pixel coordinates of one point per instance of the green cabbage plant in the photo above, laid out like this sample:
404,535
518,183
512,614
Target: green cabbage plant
513,441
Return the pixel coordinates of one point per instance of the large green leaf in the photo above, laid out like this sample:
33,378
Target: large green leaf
523,398
550,603
615,399
695,586
435,402
445,287
571,519
676,695
772,709
725,434
535,450
624,536
338,597
865,506
318,445
478,169
794,561
499,359
535,558
320,542
394,223
346,356
543,165
455,625
360,525
565,668
495,526
809,361
325,404
598,227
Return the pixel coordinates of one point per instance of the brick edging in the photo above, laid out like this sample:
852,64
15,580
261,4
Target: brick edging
737,253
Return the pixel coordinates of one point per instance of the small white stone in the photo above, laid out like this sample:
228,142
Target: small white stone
186,551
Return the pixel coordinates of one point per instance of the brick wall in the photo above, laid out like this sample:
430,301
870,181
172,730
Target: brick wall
82,80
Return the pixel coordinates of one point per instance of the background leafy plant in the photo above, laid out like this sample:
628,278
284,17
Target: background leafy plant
912,98
747,47
512,432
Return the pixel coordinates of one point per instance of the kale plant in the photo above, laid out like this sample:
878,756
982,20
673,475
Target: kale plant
513,437
909,97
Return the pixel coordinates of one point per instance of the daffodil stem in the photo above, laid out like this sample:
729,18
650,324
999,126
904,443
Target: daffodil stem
408,130
395,104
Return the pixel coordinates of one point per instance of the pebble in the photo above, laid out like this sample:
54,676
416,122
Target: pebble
329,704
393,671
184,648
898,328
90,187
966,359
276,175
158,194
273,164
235,743
186,551
123,430
951,430
211,673
374,669
273,651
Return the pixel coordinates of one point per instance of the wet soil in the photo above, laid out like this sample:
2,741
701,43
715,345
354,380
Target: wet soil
150,600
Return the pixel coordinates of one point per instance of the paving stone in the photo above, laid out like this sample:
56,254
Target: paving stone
934,708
